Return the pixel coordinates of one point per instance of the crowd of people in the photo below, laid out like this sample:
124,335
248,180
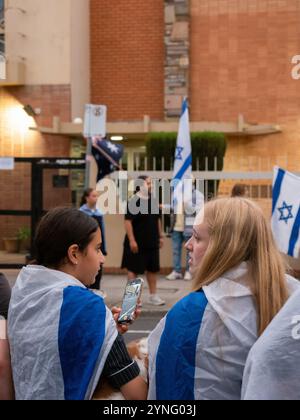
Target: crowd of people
230,338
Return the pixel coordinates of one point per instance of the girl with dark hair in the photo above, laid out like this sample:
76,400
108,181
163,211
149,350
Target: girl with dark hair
88,206
62,336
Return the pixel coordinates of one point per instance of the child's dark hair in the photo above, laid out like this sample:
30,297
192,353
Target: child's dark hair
239,190
58,230
85,195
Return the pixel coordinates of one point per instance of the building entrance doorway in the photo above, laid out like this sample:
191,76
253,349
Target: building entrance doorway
34,186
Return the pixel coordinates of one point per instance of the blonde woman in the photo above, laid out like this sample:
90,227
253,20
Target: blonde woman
199,350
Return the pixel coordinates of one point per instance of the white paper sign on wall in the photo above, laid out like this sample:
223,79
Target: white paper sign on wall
7,164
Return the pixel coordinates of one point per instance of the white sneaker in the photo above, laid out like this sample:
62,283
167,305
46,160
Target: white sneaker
174,276
156,300
187,276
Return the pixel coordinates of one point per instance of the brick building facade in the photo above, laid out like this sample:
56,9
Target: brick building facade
241,54
232,57
127,58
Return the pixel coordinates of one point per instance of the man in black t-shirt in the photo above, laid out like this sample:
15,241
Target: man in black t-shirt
143,238
5,293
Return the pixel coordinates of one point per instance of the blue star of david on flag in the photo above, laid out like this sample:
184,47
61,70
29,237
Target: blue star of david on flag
285,212
179,151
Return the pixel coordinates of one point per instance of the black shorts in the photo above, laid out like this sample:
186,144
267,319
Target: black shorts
145,260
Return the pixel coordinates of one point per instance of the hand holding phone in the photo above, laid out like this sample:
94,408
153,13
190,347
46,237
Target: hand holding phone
130,302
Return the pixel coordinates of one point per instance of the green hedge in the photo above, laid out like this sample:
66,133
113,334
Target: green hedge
204,144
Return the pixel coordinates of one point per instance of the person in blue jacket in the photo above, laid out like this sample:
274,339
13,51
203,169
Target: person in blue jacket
88,206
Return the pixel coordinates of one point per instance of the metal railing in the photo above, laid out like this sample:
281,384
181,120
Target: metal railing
254,172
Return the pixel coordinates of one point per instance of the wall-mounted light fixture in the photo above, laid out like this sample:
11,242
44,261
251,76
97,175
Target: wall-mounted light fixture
117,138
18,119
31,111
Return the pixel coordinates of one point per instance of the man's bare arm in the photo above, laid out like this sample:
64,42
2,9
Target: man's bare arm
132,242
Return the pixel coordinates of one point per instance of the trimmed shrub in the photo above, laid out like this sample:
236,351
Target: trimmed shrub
208,145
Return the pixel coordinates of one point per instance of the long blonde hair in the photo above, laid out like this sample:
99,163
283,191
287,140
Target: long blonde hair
239,232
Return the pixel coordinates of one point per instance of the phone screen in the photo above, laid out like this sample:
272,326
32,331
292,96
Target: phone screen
131,296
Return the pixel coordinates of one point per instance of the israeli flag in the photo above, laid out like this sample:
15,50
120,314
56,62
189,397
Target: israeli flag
199,350
60,334
286,212
183,159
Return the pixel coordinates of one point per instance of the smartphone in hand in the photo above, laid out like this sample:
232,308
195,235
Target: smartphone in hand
131,298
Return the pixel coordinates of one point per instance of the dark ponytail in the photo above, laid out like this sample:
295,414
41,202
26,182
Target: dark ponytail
141,178
239,190
58,230
86,194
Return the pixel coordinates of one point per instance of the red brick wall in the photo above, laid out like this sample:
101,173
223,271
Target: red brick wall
17,141
127,57
53,101
54,197
15,188
241,53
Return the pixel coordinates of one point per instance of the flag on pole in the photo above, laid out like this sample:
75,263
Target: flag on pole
286,212
183,156
107,156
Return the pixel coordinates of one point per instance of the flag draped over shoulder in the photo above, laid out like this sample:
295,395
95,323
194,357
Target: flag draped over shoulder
60,334
199,350
286,212
272,370
183,156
